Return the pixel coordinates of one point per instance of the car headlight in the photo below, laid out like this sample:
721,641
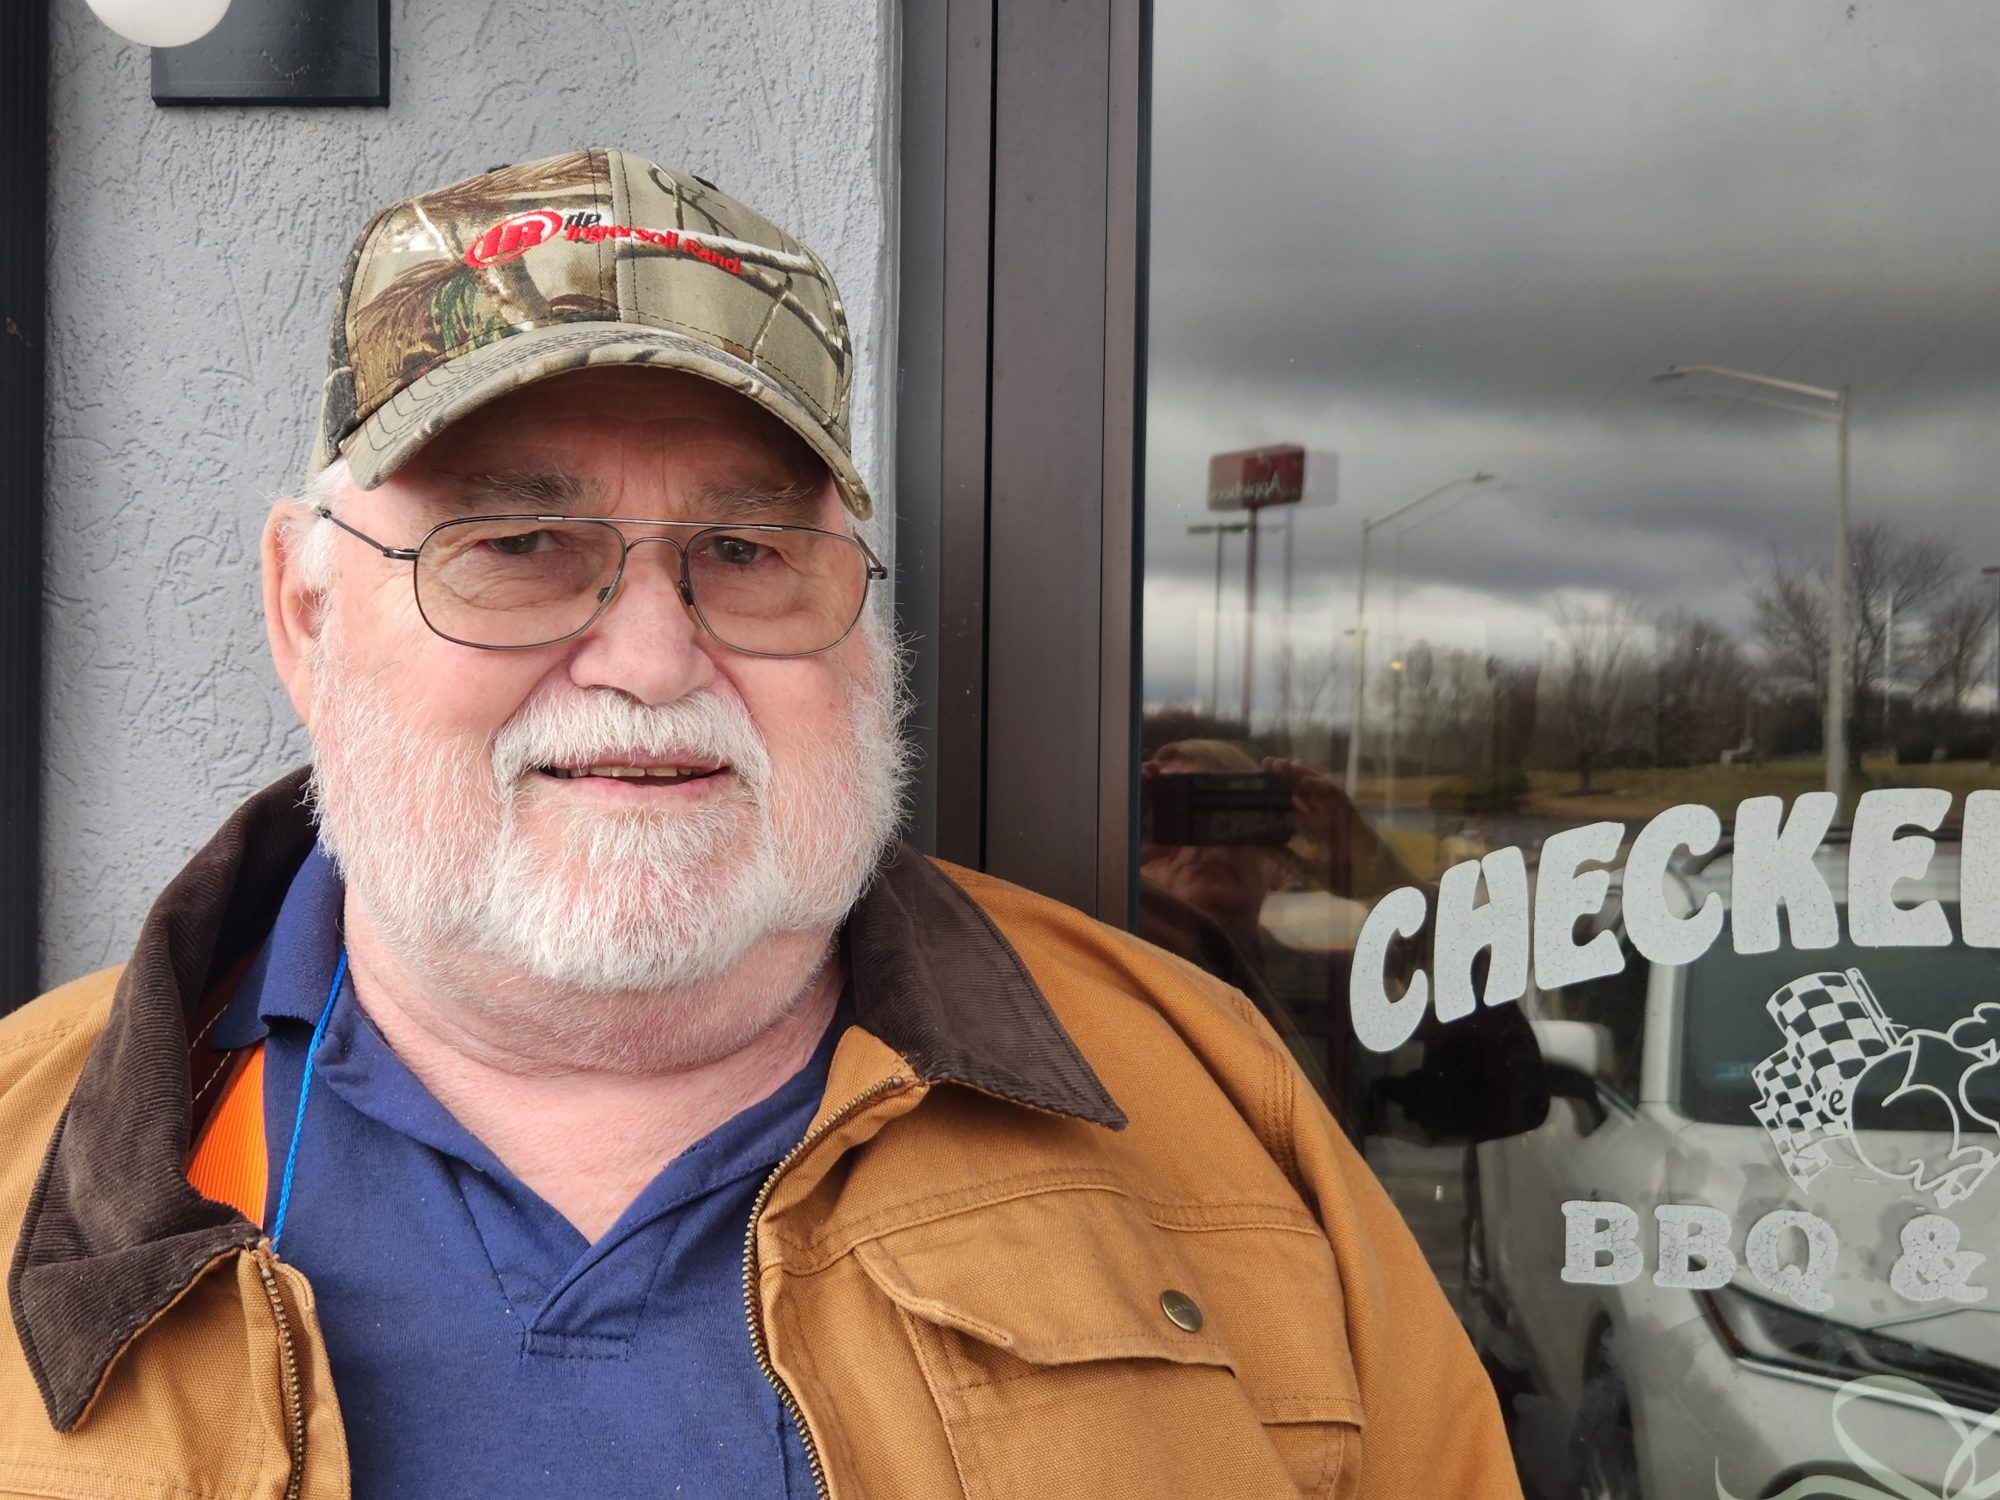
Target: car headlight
1772,1333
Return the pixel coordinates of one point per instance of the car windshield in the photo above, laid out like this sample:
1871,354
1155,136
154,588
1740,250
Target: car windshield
1729,1031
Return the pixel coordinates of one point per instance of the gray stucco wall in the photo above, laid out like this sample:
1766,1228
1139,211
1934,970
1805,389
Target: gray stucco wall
192,256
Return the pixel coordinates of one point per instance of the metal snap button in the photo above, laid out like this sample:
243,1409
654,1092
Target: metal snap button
1180,1310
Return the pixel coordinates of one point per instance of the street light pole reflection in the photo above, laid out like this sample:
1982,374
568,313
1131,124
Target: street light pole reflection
1993,753
1835,734
1357,714
1219,530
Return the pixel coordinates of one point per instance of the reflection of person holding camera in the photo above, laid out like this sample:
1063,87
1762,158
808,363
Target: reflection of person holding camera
1217,844
1225,882
1239,829
1223,831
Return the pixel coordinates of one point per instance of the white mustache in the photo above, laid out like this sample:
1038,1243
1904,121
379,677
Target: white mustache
602,725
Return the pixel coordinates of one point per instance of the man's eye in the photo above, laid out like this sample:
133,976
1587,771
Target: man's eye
520,545
734,550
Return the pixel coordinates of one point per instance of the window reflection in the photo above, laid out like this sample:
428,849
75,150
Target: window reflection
1603,331
1693,1084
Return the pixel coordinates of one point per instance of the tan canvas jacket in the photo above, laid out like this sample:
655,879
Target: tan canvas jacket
1037,1127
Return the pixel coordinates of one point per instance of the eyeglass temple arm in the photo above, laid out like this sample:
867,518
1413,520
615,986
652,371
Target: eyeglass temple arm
400,554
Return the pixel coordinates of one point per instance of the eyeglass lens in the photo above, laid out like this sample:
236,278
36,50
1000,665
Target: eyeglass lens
776,591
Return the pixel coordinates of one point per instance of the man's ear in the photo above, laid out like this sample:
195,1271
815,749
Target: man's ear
291,610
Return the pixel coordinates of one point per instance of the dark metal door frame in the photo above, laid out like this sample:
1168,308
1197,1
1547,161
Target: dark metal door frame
1020,400
24,188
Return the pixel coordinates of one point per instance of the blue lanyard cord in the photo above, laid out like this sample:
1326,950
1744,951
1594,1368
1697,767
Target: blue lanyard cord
305,1092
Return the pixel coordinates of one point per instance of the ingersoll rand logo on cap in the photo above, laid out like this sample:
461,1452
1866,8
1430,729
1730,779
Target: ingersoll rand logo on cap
514,237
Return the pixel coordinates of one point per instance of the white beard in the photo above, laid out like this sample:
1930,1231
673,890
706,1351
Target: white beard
659,903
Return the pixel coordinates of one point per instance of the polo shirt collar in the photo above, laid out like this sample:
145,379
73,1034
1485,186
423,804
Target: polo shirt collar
114,1232
289,978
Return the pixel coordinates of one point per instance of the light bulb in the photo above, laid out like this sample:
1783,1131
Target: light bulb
160,23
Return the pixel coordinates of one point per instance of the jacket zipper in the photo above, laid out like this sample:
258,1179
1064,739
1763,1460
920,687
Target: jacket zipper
758,1344
295,1417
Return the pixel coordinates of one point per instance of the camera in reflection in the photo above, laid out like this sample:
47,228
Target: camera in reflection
1210,809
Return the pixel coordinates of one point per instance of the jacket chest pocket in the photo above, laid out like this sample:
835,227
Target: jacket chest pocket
1053,1331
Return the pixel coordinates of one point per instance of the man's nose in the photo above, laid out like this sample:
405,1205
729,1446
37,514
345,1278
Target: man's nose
647,643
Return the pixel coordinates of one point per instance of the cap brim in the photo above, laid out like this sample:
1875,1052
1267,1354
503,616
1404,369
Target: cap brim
394,433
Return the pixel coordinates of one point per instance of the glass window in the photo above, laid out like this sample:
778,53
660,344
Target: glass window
1615,1003
1569,637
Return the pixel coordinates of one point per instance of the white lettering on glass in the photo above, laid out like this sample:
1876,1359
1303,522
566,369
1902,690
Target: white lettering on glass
1764,1249
1773,868
1564,895
1591,1230
1601,1248
1660,935
1979,871
1383,1024
1932,1267
1877,858
1499,924
1694,1247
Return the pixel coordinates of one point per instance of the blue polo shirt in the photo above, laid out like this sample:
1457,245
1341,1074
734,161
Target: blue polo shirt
480,1346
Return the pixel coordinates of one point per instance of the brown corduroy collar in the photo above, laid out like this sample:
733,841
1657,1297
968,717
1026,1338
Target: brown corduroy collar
113,1231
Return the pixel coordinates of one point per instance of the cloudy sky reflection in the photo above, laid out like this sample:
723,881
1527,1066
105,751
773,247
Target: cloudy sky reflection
1440,236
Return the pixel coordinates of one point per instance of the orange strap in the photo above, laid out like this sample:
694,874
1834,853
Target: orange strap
229,1162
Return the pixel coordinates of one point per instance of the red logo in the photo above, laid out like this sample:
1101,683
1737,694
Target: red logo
513,238
1257,477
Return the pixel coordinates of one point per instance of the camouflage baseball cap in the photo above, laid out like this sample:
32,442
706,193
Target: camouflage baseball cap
457,296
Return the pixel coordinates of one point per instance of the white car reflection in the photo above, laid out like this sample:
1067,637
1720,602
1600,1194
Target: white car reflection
1640,1390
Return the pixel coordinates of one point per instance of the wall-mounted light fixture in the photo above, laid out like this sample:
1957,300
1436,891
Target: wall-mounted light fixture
259,51
160,23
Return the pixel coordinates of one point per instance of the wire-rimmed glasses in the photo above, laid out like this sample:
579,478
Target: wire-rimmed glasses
516,582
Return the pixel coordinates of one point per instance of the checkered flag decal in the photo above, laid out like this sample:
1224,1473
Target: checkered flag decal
1834,1028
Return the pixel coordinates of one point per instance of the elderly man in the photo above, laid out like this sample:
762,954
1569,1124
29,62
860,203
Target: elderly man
570,1087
